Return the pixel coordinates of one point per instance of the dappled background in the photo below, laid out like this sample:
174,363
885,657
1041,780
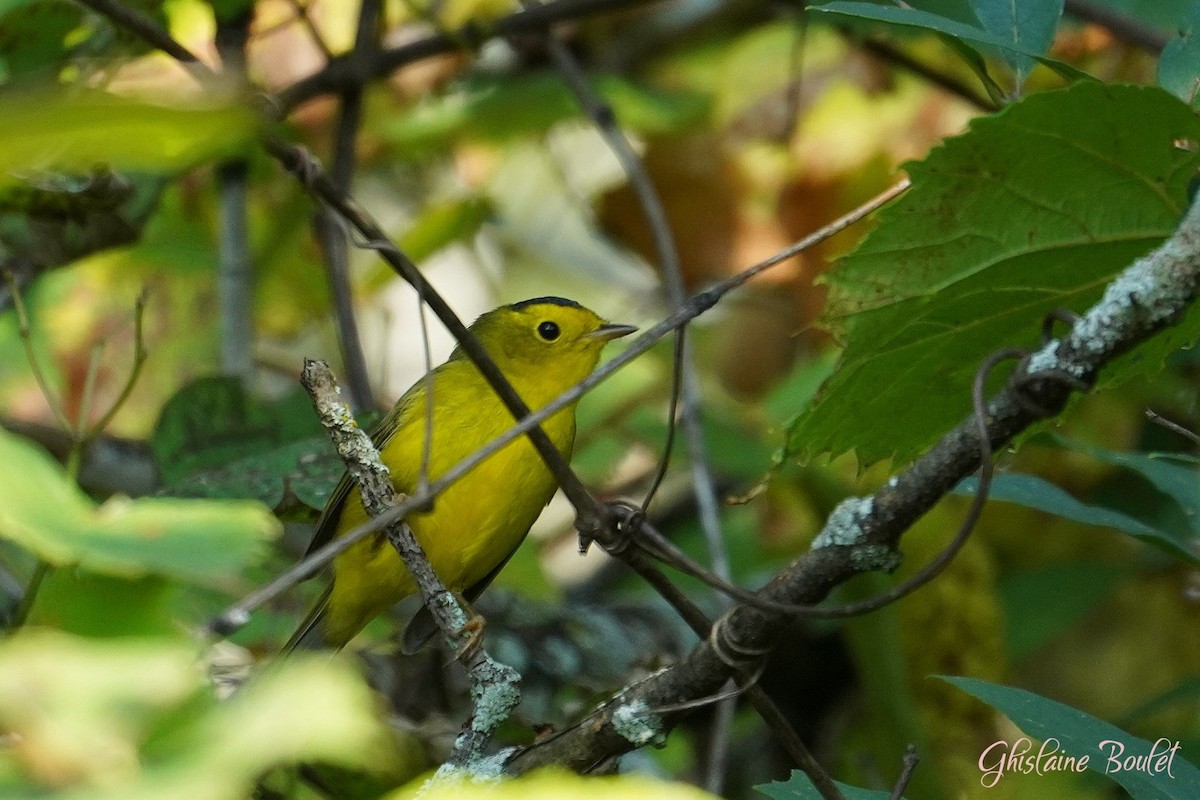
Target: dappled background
757,124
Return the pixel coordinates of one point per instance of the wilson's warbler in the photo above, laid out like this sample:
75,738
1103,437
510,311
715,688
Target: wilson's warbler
544,346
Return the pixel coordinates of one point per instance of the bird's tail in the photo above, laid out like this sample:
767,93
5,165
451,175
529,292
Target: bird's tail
310,635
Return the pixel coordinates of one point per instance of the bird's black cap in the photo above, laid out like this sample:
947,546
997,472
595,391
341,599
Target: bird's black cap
537,301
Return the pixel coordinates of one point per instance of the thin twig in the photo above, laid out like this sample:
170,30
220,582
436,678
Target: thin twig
135,21
678,354
139,359
40,572
1123,26
35,366
79,430
909,764
720,699
1175,427
948,83
306,20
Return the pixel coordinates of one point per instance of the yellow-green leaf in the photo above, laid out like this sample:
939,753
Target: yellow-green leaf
74,131
136,719
43,511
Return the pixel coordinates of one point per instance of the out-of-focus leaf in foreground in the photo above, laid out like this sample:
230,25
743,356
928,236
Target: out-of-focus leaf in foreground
136,718
1034,208
43,511
553,784
73,131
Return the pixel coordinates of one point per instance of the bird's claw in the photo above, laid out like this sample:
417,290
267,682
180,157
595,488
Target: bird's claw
473,630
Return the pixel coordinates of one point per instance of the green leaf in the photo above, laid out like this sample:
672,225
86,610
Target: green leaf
41,510
1186,693
1179,66
136,719
1034,208
1040,603
87,604
439,225
800,787
61,131
1080,735
915,18
1180,482
1033,492
33,35
307,470
1027,23
961,10
215,440
53,40
436,227
799,387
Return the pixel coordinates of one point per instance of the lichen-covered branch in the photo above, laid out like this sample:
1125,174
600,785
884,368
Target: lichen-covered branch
493,685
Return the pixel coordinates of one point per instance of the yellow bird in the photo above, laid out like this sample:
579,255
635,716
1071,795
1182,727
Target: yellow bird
543,346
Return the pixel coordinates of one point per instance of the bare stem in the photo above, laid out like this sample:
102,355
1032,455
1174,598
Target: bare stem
139,359
52,400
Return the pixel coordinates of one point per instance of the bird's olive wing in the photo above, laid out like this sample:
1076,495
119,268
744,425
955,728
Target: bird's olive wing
327,524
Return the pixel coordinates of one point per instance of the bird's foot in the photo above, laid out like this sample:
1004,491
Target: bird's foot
473,631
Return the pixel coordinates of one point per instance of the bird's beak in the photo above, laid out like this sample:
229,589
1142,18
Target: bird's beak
609,331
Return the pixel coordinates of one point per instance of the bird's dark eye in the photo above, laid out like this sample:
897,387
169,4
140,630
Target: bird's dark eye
548,331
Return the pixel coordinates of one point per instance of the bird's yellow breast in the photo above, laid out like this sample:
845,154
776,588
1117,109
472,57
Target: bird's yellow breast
477,522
